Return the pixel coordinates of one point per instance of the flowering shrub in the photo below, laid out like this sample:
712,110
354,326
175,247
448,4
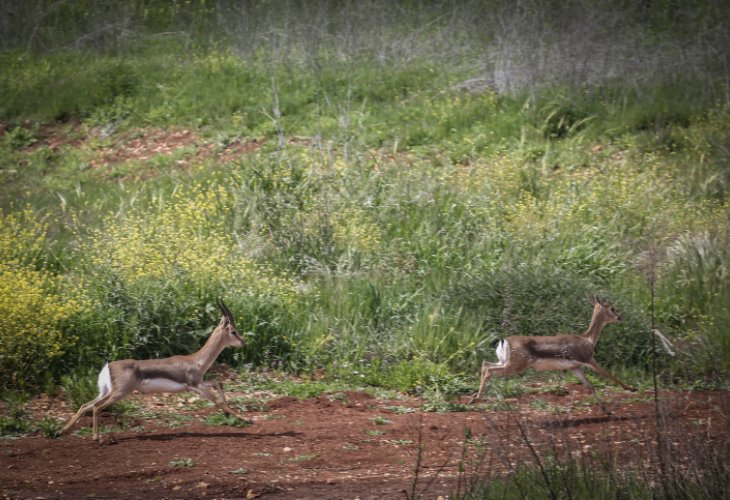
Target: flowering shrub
184,239
158,266
355,230
37,308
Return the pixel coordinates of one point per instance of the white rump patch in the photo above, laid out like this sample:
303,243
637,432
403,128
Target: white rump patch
502,352
105,381
161,385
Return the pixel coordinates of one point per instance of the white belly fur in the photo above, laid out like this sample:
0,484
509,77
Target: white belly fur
555,364
161,385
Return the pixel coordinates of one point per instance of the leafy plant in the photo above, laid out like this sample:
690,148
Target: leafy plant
16,420
79,388
50,426
374,208
220,418
303,458
182,463
380,420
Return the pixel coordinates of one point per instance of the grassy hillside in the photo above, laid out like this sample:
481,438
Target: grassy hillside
378,190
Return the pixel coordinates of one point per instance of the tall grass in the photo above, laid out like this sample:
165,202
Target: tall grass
428,181
674,460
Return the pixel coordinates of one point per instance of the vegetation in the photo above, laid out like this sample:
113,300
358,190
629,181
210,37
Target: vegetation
551,472
412,181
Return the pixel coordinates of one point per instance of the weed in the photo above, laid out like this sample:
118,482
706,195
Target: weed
309,389
220,418
401,410
79,388
388,225
14,424
442,406
380,420
19,138
399,442
338,396
181,463
50,426
170,419
246,404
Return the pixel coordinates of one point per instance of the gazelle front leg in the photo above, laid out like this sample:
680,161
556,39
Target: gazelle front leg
579,373
204,389
215,384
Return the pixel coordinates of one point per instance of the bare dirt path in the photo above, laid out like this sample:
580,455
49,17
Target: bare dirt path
350,445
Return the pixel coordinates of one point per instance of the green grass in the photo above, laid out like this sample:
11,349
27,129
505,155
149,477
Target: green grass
302,458
556,478
15,421
219,418
182,463
389,224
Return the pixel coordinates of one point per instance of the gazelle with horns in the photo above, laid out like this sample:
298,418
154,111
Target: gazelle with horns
118,379
517,353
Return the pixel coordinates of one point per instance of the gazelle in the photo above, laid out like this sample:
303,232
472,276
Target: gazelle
118,379
560,352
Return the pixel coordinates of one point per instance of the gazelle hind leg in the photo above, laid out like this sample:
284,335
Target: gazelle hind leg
105,387
81,411
107,400
506,366
483,376
489,369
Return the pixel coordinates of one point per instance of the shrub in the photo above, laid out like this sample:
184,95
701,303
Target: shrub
37,308
160,267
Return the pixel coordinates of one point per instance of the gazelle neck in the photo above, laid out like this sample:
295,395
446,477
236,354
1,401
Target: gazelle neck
598,321
210,350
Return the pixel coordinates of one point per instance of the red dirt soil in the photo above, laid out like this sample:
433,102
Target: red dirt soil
351,445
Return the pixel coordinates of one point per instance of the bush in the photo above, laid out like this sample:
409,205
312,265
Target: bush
160,269
37,308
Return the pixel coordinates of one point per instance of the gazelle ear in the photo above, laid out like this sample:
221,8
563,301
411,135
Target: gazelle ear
593,299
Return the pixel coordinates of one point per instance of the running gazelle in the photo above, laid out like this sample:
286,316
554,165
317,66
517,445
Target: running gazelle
118,379
517,353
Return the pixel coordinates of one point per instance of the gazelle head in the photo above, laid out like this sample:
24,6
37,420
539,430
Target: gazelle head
604,310
230,335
